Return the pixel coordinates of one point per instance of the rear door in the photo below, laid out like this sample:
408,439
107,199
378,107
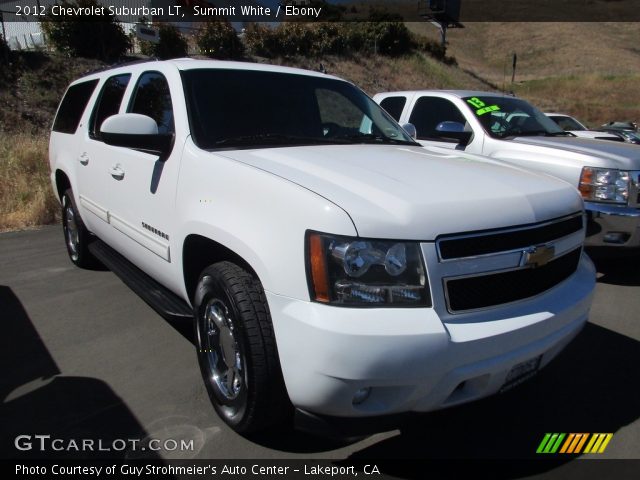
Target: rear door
96,157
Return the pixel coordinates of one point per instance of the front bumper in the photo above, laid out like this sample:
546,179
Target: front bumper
612,225
412,359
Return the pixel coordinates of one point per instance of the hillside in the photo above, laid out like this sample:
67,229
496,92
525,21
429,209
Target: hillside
590,70
32,87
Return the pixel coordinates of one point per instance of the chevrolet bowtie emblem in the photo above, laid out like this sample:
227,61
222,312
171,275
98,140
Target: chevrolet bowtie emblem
537,256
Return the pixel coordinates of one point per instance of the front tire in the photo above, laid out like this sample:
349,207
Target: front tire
76,235
237,350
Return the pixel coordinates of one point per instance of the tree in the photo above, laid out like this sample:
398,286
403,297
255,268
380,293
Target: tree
89,36
218,39
172,44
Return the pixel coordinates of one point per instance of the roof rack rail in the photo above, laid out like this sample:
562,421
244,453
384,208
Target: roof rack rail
121,64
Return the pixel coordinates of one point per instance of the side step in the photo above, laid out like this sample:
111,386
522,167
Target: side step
162,300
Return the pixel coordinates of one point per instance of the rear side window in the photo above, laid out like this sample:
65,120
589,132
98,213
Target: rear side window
152,98
108,103
394,106
72,106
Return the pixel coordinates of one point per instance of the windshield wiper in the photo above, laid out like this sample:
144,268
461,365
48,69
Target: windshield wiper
272,139
374,138
560,134
546,133
527,133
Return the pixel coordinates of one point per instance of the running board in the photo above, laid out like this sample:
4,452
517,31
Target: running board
166,303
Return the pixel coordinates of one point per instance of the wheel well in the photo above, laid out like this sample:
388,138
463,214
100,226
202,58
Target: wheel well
62,183
199,252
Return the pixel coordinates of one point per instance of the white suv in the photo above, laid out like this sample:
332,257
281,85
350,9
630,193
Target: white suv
327,260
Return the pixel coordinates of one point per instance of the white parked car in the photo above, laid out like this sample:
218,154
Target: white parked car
327,260
507,128
571,125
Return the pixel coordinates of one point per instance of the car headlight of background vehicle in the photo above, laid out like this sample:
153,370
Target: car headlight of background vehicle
352,271
605,185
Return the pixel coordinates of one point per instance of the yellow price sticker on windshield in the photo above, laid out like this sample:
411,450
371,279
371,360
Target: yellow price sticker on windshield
481,106
491,108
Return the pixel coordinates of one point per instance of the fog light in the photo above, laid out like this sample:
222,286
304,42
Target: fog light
361,395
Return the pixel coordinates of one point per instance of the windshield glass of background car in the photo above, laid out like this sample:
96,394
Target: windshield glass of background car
229,108
566,123
507,117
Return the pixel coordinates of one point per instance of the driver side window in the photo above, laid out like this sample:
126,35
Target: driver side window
151,97
428,112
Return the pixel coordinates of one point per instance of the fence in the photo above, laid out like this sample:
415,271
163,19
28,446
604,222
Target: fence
21,33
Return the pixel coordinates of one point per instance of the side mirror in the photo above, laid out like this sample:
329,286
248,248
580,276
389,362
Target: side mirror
132,130
410,128
454,131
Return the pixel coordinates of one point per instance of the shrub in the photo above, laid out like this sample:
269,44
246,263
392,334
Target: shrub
89,36
260,40
316,39
171,44
329,39
218,39
389,38
435,49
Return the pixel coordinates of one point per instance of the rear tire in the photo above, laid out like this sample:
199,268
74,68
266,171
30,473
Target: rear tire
237,351
77,237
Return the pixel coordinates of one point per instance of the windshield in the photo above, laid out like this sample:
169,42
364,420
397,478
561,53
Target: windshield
567,123
244,108
503,117
632,137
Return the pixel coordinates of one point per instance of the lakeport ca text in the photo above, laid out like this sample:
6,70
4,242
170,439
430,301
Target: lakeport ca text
317,470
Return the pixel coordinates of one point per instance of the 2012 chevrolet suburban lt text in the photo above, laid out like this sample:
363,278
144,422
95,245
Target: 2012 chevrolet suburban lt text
328,262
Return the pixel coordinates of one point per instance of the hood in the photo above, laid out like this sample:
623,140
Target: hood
413,194
624,156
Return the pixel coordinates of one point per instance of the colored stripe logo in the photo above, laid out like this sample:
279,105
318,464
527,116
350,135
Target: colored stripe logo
574,443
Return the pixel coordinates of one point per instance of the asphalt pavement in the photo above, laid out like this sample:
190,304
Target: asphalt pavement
84,358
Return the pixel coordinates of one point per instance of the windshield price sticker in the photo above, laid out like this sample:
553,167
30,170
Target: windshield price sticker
482,107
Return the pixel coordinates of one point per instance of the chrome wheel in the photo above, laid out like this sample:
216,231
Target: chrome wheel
71,231
236,350
224,360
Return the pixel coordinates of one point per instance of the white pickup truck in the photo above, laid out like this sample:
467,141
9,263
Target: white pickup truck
327,261
507,128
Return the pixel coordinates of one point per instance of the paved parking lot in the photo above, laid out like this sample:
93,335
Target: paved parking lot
84,357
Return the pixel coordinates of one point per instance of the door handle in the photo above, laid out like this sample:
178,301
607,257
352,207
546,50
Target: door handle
84,158
117,172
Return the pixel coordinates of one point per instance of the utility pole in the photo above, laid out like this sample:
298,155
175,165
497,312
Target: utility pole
4,39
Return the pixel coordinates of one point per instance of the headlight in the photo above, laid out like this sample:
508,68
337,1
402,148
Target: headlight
353,271
604,185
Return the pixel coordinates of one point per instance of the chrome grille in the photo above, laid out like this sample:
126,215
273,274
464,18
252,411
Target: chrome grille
497,267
